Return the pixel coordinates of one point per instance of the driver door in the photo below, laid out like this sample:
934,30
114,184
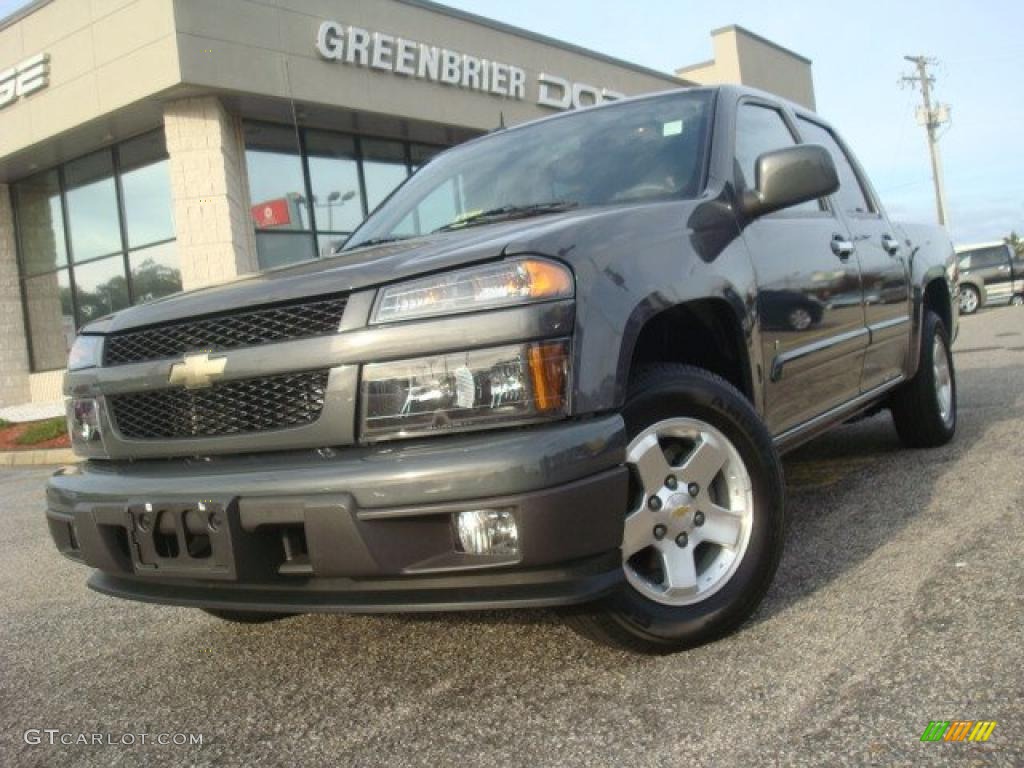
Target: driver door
810,306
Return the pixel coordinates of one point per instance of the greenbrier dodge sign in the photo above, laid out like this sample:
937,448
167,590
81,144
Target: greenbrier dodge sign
376,50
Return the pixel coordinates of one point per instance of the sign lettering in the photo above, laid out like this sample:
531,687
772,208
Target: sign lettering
24,78
421,61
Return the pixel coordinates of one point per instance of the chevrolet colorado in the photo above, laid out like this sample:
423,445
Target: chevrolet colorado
557,367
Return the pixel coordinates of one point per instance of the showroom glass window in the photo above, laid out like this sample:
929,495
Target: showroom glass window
309,189
94,235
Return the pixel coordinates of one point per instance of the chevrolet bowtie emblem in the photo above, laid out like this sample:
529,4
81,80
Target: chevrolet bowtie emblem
198,370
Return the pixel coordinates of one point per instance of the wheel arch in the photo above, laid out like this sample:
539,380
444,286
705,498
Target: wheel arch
936,296
709,333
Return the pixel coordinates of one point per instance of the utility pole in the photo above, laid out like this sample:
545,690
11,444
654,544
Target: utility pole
931,117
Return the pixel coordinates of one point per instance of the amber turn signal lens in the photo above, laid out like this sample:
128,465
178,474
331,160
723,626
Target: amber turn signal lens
547,280
549,369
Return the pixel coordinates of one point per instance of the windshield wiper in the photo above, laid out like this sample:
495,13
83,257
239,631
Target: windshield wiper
379,241
508,212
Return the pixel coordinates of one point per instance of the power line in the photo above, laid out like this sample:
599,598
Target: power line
932,117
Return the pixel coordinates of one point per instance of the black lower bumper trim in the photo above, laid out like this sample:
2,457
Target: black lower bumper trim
536,588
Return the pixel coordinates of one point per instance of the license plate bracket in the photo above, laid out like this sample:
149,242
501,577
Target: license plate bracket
182,539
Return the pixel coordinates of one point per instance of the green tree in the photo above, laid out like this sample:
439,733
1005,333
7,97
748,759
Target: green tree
151,280
1016,242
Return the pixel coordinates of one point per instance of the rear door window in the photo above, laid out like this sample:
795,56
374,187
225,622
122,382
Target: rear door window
850,196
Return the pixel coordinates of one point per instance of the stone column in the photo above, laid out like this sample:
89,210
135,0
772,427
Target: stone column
14,371
211,209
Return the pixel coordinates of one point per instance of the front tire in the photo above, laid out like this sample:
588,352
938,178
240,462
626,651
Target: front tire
970,299
924,408
1017,300
704,532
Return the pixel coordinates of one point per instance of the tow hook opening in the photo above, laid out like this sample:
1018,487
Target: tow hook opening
296,551
165,536
197,537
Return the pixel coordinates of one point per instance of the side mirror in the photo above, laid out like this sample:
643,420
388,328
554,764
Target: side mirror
790,176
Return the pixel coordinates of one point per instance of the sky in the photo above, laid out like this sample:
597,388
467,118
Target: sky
857,50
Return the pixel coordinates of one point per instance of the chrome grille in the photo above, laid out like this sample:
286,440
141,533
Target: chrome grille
226,331
228,408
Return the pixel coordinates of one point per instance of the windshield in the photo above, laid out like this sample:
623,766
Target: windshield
651,149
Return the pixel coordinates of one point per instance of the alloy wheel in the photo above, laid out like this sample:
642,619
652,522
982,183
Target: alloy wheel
691,516
968,300
800,319
943,379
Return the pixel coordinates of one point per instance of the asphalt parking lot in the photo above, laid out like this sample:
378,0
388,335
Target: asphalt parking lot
900,600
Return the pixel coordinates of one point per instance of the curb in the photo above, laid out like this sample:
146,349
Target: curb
37,458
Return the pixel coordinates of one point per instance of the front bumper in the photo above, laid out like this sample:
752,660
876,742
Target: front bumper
361,529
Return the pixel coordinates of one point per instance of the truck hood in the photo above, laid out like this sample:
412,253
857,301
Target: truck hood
557,235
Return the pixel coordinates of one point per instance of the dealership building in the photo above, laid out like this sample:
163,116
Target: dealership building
153,146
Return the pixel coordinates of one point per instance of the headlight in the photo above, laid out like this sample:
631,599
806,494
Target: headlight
516,281
83,414
465,390
85,352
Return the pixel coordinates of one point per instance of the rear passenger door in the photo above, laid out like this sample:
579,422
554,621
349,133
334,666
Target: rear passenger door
809,306
883,262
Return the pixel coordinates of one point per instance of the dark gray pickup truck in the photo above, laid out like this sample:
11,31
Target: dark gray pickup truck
557,367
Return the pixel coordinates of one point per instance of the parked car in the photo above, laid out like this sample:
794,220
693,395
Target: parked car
540,374
990,274
789,309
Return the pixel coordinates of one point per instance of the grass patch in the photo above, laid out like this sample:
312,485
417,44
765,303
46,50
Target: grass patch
4,423
41,431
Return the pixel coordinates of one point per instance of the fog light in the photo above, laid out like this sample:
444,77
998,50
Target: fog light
487,532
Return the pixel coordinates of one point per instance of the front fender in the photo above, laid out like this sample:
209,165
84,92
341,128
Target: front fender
633,263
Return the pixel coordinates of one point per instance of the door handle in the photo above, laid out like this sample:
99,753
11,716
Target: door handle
890,244
1004,267
842,247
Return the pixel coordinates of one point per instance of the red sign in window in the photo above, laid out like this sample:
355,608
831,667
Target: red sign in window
272,213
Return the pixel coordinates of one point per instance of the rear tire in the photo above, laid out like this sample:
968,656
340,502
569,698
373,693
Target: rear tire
245,617
726,581
924,408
